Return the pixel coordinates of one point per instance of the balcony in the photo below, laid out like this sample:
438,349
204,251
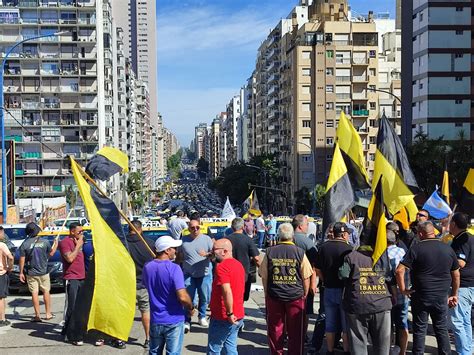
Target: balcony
360,61
343,96
343,79
28,3
359,96
360,78
51,105
88,105
344,61
360,112
30,105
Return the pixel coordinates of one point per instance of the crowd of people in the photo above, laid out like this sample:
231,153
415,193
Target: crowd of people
359,302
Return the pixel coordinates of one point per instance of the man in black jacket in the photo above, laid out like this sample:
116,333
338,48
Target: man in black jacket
141,254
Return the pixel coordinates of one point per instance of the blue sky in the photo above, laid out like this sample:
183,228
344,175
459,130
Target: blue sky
207,49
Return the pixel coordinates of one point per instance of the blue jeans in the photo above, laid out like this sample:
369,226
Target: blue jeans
261,239
461,319
201,285
170,335
335,315
223,334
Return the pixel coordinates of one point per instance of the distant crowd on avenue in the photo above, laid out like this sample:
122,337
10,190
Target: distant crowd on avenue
363,308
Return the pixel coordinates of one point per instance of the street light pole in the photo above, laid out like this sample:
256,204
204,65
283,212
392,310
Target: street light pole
2,119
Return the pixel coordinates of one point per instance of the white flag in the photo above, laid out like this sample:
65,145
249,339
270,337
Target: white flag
228,211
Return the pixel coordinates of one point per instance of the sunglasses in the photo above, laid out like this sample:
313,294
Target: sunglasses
195,228
80,232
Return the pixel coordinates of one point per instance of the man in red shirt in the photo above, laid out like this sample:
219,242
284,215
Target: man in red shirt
227,300
74,271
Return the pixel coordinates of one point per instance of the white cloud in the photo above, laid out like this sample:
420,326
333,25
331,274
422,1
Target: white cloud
183,109
209,28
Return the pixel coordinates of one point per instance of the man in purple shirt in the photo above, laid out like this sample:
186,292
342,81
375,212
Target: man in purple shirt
164,281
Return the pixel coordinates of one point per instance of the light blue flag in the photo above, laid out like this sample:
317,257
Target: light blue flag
436,206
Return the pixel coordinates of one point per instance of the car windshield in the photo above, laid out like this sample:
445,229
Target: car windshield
60,222
15,233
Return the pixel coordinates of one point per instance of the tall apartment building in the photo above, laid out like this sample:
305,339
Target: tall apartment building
234,110
437,56
138,20
144,131
214,135
243,124
171,143
131,113
200,132
389,74
55,87
329,65
223,163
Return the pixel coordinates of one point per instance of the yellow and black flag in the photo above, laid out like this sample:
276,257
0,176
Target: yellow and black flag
108,161
399,183
350,145
339,195
251,205
445,185
111,308
466,202
374,234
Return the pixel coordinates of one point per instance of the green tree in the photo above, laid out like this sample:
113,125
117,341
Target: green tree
303,200
174,165
134,190
202,167
318,194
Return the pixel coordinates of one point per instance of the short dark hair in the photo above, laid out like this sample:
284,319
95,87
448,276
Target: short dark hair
461,220
298,221
427,213
73,226
137,224
195,216
1,228
180,214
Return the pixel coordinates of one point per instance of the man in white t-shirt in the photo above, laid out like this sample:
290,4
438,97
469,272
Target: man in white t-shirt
260,224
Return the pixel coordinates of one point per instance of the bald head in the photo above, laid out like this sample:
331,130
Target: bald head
222,249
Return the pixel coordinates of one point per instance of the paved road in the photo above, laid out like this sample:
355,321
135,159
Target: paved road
44,338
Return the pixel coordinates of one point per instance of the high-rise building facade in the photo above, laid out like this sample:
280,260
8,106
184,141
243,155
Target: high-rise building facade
138,20
200,132
439,63
55,90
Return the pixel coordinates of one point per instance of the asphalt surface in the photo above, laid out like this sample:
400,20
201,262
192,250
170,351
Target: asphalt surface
24,337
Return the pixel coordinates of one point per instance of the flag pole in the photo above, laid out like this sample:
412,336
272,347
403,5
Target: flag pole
91,180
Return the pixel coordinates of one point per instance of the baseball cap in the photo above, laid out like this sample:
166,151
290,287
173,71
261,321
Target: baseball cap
340,227
164,242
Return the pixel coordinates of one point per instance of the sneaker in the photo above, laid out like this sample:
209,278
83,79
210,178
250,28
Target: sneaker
203,322
5,323
146,344
99,342
119,344
187,327
78,343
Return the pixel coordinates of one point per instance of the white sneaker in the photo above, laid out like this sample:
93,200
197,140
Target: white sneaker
187,327
203,322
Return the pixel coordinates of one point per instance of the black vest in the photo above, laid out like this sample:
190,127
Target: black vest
285,282
366,291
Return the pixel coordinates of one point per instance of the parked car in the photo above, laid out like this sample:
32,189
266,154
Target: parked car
15,233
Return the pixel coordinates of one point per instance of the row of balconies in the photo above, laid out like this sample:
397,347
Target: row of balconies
28,54
52,105
74,88
58,122
48,3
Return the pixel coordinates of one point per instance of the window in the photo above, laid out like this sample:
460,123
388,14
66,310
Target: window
306,89
329,54
420,86
421,16
306,72
328,37
414,16
329,88
459,55
413,38
330,124
373,105
372,54
329,140
459,32
306,158
372,140
373,123
328,157
459,8
458,124
329,105
329,71
372,72
371,157
306,123
306,107
306,55
459,78
458,102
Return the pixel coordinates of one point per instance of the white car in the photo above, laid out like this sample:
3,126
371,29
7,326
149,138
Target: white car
15,233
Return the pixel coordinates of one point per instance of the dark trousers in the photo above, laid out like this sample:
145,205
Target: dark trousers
438,311
72,290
